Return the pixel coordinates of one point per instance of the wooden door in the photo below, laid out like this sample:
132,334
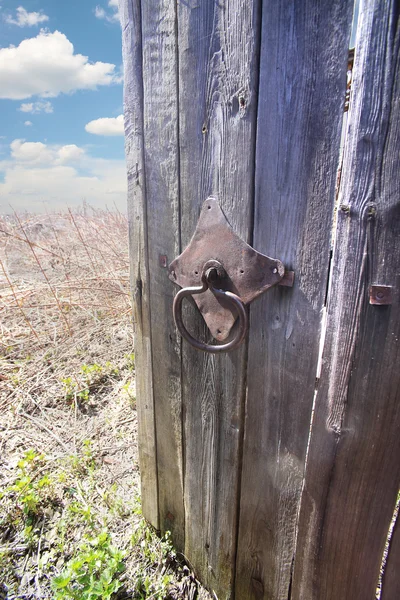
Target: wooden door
267,481
353,468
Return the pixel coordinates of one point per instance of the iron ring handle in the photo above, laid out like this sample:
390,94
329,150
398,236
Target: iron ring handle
232,298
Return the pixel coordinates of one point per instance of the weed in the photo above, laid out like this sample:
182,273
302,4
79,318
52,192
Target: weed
92,572
127,389
71,529
130,360
84,395
154,556
88,379
112,370
91,372
28,491
82,464
69,387
15,379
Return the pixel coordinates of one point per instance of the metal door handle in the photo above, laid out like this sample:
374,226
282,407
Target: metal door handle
211,273
222,287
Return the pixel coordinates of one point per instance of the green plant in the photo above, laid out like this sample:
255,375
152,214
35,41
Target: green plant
112,370
130,361
28,491
89,377
69,387
153,556
84,394
84,463
61,514
92,573
24,502
91,372
128,391
15,378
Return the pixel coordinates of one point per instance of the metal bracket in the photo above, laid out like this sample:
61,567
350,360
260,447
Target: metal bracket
237,269
380,295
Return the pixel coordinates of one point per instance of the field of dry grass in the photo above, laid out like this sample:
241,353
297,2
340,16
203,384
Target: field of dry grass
70,520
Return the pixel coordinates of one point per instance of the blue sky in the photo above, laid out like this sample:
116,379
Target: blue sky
61,134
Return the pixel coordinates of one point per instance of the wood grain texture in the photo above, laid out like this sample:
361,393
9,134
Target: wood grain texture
218,72
161,120
302,90
353,466
391,577
139,268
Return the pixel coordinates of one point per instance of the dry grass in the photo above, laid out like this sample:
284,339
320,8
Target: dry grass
74,266
69,474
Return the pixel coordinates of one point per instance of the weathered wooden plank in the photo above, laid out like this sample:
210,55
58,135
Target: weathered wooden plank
353,466
139,268
302,90
391,576
162,196
218,49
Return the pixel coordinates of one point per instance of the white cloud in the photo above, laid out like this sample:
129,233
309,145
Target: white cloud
47,66
28,123
59,176
69,154
34,153
112,15
26,19
100,13
36,107
37,153
26,108
106,126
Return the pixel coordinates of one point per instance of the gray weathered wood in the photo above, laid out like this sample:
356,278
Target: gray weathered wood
302,90
218,49
161,120
353,466
391,577
139,269
217,102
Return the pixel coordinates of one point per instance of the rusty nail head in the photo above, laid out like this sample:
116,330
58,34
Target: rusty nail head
380,295
163,261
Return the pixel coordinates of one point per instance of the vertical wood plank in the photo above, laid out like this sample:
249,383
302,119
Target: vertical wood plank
353,466
218,67
139,268
302,89
162,195
391,576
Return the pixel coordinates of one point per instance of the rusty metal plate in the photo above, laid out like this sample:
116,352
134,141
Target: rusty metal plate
249,273
380,295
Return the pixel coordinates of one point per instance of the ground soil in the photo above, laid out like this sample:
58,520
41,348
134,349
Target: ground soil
67,398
